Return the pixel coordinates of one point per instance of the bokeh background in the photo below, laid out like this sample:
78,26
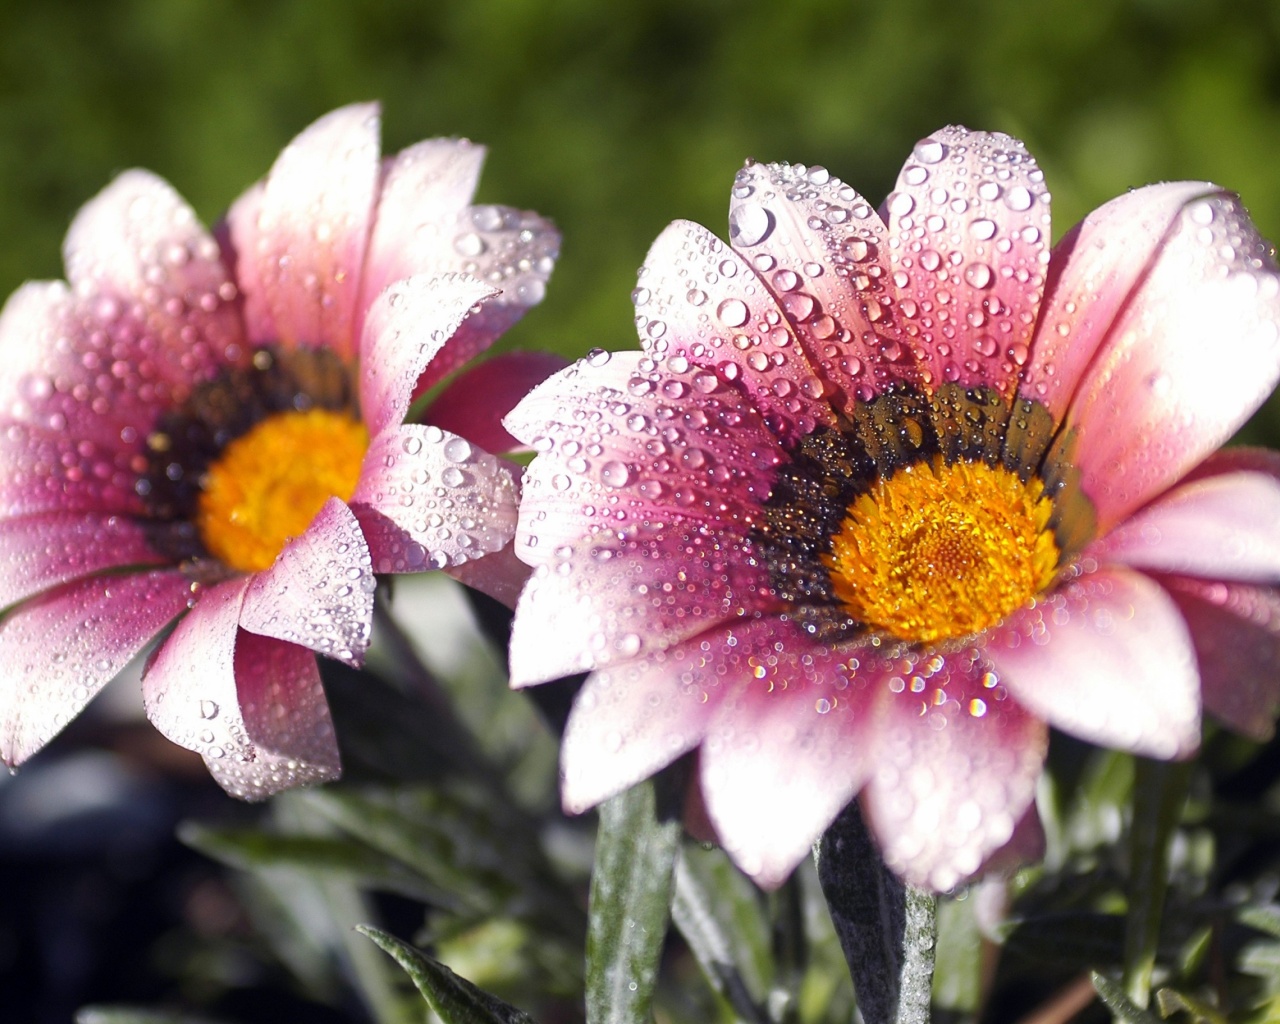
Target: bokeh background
613,118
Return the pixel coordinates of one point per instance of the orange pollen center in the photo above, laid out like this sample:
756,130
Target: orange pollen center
268,484
939,551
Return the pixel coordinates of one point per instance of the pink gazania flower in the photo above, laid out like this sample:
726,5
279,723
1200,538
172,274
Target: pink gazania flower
886,494
210,428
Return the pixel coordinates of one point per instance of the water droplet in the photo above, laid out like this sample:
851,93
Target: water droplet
1018,198
983,229
208,709
929,151
469,244
615,474
978,275
750,224
733,312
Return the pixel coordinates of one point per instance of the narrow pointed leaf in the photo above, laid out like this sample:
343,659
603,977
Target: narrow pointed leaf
886,928
1159,793
721,919
453,999
1121,1006
631,890
254,849
134,1015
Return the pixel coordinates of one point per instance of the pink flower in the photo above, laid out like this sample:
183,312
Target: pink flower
885,494
213,431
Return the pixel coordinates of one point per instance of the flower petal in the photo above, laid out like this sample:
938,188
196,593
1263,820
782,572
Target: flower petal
1108,658
631,719
1221,526
1092,272
635,445
61,648
1236,631
152,283
474,403
251,706
1192,353
788,747
699,301
318,593
407,326
424,226
968,244
427,499
821,246
501,575
608,599
40,551
639,527
954,767
300,242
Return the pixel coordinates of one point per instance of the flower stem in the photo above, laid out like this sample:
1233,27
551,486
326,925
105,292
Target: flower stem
887,929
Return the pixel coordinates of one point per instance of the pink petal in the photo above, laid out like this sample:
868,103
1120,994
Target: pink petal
1221,526
1236,631
790,221
425,190
699,301
1092,272
428,499
319,592
425,227
607,599
51,470
151,279
61,648
300,243
632,719
475,401
251,706
501,575
954,766
40,551
968,244
686,446
788,747
1195,349
1106,657
407,326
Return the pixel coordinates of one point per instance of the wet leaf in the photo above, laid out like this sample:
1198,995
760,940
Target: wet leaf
254,849
718,911
1121,1006
455,1000
631,890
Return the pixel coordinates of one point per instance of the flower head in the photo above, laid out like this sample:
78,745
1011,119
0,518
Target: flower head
211,428
886,492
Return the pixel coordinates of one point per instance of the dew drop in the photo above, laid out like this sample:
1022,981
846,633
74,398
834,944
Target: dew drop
733,312
750,224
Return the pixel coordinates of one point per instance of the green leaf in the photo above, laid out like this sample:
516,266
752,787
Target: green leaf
455,1000
1121,1006
1159,794
253,849
721,918
1264,917
1170,1002
886,928
957,977
631,890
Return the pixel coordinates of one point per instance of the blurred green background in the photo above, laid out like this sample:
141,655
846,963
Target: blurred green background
615,118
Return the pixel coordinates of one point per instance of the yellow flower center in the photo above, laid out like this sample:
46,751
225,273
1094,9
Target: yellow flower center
268,484
938,551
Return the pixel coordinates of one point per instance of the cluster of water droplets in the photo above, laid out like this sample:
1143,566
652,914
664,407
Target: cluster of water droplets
955,761
511,249
660,463
969,247
452,502
149,315
819,246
